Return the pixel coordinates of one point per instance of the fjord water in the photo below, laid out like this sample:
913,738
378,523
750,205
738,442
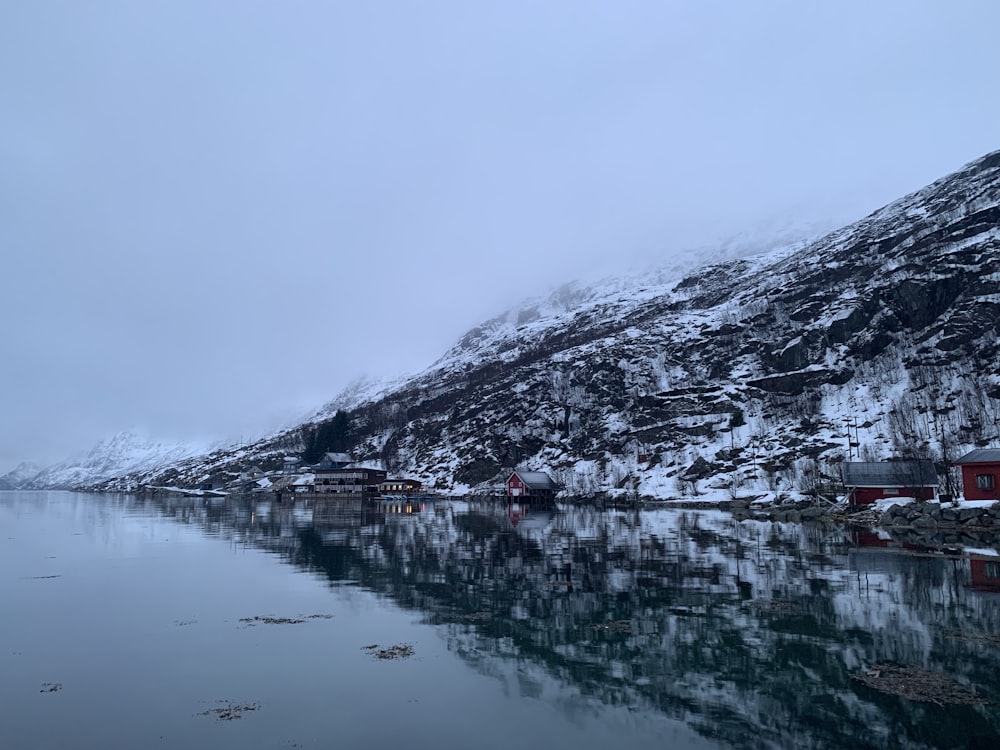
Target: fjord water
126,621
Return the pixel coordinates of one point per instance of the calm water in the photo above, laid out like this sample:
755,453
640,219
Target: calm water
123,624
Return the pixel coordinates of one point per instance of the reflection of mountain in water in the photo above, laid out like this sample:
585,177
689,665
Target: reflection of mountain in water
749,632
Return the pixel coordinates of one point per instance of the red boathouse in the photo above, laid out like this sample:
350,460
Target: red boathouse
868,481
531,484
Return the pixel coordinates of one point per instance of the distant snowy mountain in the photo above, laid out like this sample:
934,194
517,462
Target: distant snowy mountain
123,454
878,339
23,473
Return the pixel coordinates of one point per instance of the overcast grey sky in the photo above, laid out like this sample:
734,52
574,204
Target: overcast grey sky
214,215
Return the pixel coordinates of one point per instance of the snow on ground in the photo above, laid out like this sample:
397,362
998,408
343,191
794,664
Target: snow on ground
885,503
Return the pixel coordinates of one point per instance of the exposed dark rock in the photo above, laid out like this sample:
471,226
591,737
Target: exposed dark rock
476,472
602,374
700,469
792,383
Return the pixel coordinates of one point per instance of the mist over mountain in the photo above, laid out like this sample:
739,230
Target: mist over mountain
19,476
876,340
126,453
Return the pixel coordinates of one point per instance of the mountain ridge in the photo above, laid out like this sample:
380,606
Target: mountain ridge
747,374
121,454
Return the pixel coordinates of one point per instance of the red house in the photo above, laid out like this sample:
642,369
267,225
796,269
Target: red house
531,484
981,474
868,481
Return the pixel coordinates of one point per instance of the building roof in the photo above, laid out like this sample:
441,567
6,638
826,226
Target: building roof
918,473
536,480
352,469
980,456
334,461
337,458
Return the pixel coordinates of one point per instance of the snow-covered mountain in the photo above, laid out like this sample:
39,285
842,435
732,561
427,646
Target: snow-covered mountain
22,473
878,339
121,455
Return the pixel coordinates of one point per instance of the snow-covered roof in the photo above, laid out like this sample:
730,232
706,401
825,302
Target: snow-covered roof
340,458
537,480
352,469
918,473
980,456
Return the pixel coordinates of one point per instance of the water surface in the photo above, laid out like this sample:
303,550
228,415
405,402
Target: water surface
127,621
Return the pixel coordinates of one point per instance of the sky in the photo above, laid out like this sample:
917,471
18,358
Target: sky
216,215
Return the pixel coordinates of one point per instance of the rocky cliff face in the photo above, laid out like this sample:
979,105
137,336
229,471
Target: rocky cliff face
879,339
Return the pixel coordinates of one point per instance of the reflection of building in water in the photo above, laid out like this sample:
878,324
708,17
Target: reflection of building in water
985,571
343,512
398,505
528,515
748,631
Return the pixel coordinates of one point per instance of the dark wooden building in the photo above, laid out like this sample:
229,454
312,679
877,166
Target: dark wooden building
357,480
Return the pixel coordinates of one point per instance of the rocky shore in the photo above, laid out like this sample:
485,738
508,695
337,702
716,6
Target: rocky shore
917,522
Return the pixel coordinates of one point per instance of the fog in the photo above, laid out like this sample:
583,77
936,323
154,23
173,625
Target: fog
215,216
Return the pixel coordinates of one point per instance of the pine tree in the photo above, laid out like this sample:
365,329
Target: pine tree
331,436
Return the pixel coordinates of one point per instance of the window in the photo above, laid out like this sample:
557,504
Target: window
992,569
984,482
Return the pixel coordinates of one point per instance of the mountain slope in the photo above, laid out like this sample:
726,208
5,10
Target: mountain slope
879,339
123,454
19,476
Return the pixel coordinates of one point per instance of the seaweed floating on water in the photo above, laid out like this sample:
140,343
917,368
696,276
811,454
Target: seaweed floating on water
268,620
251,621
229,711
916,684
399,651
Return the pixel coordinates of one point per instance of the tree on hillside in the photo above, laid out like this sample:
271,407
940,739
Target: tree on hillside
334,435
